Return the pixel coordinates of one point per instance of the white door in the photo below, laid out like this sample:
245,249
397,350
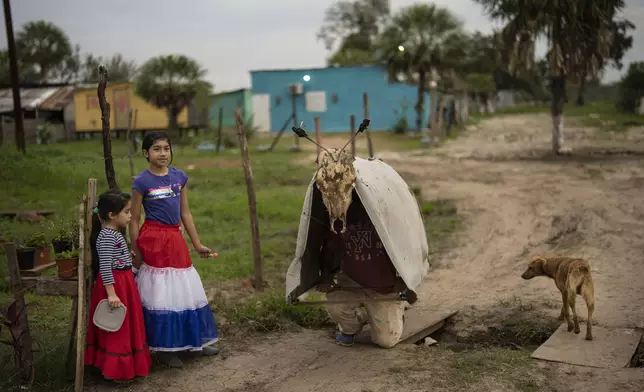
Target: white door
262,112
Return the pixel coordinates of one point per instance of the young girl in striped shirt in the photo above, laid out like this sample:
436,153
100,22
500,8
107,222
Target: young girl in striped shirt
123,354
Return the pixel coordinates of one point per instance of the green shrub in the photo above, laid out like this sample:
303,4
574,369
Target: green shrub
631,88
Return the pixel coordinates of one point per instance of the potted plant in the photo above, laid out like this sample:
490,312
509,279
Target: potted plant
40,245
63,239
67,264
26,257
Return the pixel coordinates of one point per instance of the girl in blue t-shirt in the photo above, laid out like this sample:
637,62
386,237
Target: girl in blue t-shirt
176,310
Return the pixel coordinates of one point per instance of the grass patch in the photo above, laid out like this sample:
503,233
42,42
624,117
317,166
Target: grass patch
500,353
441,222
269,312
509,367
511,324
597,114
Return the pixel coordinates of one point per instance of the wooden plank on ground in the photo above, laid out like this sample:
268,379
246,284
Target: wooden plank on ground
610,347
36,271
422,322
419,323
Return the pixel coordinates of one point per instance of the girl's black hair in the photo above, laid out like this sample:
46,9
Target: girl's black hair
151,137
113,201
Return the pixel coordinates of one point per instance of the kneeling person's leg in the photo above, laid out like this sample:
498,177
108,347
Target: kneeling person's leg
346,315
386,320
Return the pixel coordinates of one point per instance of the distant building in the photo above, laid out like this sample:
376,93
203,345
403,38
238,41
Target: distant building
333,94
46,104
122,98
229,101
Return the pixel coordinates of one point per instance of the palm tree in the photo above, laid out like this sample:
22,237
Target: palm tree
43,47
420,41
566,25
171,82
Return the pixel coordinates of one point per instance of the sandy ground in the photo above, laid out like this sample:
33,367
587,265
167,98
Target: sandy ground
517,201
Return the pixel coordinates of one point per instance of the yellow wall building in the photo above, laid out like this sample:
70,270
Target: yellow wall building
121,98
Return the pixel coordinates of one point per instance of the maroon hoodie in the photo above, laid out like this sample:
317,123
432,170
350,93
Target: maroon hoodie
363,257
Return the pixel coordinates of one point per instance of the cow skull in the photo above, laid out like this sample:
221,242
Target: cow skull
336,178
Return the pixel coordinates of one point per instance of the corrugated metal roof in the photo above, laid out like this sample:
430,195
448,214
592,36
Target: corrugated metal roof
57,101
230,92
30,98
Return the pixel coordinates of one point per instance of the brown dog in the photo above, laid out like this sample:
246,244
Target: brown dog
572,277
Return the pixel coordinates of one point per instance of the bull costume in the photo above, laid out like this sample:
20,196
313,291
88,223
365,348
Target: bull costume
361,241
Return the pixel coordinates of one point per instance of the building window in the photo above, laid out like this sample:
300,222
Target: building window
92,101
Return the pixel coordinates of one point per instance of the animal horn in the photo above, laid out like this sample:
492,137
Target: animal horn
300,132
363,125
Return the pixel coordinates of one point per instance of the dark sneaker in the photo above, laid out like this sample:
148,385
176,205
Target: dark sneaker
344,340
170,360
209,351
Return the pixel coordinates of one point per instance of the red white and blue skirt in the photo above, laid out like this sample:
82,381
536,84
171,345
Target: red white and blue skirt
124,354
175,308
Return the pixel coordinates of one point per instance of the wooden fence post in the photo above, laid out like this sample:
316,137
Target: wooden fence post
258,282
365,106
318,136
219,128
128,135
352,132
26,365
84,279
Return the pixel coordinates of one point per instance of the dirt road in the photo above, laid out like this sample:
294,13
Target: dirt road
516,202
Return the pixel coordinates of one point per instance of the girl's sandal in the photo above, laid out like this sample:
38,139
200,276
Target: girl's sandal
119,381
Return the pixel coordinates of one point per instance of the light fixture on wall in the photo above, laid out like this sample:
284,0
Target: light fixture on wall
306,78
334,98
278,100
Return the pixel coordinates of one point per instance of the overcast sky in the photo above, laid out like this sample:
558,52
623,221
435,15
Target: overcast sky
228,37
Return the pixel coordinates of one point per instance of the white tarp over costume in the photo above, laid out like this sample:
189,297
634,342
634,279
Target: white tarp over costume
392,208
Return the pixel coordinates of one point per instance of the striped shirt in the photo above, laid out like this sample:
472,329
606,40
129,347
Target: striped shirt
113,254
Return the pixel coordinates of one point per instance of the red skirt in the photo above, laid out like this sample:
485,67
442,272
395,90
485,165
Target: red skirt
124,354
163,246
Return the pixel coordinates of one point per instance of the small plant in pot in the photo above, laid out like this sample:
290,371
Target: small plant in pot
40,244
26,257
65,235
67,264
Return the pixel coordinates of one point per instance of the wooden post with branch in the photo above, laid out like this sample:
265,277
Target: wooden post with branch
131,143
258,281
15,79
365,107
105,120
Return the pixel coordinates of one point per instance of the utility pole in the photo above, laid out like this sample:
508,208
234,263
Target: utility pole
15,80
